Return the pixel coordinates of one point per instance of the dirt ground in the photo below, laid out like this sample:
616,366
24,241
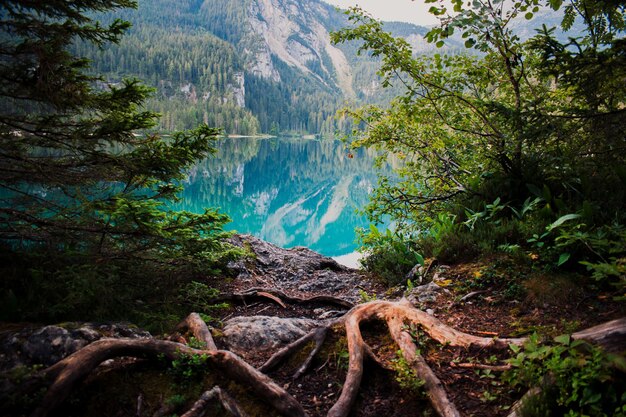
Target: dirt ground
510,304
506,301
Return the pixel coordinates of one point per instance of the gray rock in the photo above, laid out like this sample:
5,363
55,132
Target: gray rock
52,343
49,344
254,334
416,274
297,259
424,293
298,269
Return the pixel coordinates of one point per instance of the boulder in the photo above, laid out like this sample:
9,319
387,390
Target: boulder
254,334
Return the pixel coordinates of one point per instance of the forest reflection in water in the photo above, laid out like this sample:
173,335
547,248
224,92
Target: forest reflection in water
287,191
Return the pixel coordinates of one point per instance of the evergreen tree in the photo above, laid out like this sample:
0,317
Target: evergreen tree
84,189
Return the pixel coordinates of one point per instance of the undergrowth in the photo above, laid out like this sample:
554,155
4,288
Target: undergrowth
575,378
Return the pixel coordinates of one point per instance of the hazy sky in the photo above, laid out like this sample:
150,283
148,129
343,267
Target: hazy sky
392,10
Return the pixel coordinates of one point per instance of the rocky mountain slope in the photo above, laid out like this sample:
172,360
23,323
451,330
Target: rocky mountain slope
248,66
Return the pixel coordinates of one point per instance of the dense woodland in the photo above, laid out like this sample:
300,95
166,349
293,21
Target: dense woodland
190,58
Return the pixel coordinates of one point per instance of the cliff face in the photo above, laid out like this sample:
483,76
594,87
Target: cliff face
280,40
297,33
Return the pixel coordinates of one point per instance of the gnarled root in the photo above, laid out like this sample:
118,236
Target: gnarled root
395,315
317,335
229,404
610,335
279,297
68,372
194,323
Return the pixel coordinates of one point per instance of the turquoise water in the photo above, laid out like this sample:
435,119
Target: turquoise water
290,192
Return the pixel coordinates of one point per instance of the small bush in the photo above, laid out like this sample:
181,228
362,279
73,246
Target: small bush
450,247
576,379
389,256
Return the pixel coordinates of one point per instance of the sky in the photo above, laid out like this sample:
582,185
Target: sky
392,10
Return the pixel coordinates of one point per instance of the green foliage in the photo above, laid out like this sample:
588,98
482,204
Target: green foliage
189,366
176,400
575,377
86,229
365,297
388,255
601,249
340,356
198,296
202,61
445,240
503,275
518,143
406,376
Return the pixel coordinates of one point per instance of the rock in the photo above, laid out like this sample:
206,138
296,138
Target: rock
416,274
49,344
52,343
299,270
424,293
254,334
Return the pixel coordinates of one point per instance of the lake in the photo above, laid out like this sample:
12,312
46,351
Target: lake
287,191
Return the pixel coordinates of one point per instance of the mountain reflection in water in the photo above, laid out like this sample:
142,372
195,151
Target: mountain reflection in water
290,192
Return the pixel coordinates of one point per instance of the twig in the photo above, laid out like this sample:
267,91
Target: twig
497,368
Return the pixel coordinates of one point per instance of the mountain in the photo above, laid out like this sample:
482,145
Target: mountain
249,66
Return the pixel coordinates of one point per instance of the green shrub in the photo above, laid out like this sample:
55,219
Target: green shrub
575,378
388,255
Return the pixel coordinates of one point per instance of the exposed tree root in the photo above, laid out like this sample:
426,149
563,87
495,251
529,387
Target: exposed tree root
317,335
71,370
356,349
199,329
397,315
610,335
516,409
433,386
471,295
436,329
280,298
229,404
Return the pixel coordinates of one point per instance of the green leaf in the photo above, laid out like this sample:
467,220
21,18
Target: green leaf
562,220
555,4
563,258
420,259
563,339
515,348
439,44
528,15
